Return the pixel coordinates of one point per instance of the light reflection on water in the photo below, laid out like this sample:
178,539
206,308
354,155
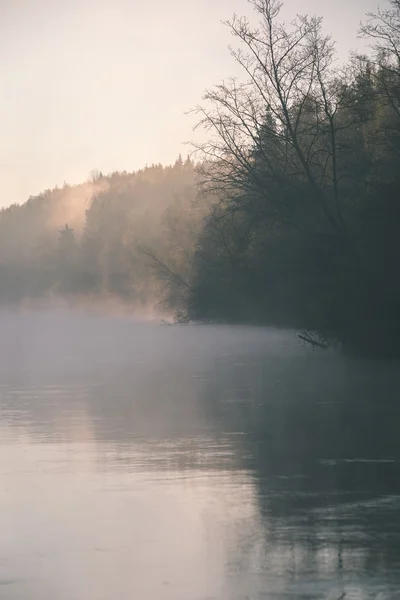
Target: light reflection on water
193,463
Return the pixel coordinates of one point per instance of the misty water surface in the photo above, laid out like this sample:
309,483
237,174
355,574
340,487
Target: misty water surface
193,463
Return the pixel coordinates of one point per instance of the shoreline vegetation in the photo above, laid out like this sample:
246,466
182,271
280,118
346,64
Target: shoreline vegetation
287,215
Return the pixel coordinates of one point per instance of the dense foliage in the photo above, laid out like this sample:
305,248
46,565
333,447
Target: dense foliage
305,159
297,219
106,240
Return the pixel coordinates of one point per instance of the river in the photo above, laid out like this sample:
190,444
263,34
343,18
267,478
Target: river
142,462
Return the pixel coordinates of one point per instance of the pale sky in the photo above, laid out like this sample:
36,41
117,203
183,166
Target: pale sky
105,83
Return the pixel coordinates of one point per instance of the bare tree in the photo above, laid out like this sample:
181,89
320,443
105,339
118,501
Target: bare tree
281,122
95,175
165,271
383,30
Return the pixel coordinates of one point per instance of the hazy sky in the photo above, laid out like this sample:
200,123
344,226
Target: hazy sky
105,83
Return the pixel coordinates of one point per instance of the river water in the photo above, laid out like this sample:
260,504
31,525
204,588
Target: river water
142,462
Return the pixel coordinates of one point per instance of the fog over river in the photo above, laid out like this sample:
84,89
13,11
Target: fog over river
147,462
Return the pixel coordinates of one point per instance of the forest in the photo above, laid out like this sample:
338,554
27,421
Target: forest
287,214
99,242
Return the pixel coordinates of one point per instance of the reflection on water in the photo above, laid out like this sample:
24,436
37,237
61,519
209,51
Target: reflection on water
193,463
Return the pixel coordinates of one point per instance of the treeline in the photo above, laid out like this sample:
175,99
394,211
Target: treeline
99,241
304,156
289,217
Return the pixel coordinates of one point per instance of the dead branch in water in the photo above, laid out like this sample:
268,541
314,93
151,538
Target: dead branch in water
307,338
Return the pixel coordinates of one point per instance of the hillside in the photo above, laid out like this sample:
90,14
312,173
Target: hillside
100,239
